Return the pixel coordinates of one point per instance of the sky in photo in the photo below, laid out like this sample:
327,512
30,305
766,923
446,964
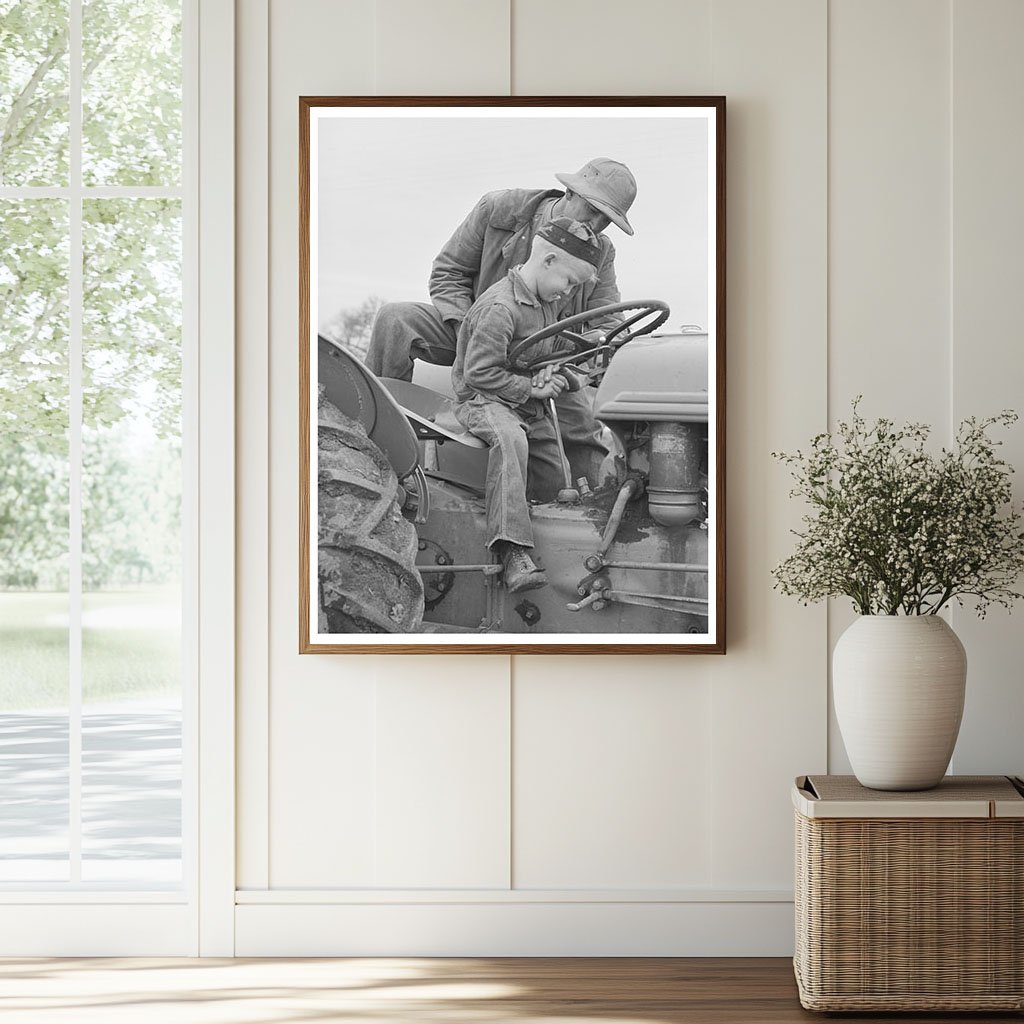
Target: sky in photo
392,190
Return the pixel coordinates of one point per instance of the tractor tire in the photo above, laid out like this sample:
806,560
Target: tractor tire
366,549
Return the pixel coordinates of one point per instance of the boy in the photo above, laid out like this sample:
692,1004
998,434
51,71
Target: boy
505,408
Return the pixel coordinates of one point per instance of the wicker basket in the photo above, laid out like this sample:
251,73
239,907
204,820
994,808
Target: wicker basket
910,901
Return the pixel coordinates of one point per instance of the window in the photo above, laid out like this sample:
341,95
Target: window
95,463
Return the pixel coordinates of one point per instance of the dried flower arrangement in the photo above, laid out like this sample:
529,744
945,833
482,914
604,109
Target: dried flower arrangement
900,530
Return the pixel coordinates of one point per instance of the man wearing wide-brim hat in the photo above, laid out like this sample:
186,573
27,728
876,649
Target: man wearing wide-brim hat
495,237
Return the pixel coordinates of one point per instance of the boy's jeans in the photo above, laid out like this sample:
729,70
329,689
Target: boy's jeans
514,443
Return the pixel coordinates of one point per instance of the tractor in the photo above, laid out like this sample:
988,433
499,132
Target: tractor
400,493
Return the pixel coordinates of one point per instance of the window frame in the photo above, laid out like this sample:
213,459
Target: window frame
75,918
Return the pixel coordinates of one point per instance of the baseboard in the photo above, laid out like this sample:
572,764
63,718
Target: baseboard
520,928
99,928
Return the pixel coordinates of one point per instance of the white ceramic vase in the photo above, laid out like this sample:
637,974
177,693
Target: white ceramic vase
898,684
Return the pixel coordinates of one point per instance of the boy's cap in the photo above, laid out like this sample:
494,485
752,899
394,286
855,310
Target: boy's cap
559,232
607,185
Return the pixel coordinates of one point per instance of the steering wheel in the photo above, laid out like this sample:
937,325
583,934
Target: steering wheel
648,315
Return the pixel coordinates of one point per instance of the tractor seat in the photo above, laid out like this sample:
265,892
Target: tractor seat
430,415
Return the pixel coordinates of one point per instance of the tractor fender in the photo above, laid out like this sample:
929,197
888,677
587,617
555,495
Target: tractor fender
355,392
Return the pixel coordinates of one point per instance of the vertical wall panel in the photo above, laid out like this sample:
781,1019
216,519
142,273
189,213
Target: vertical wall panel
321,708
888,224
769,691
889,209
253,462
442,48
606,48
443,723
323,776
611,754
612,784
443,776
988,311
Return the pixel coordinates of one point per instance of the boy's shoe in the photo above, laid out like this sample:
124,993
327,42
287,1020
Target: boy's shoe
521,572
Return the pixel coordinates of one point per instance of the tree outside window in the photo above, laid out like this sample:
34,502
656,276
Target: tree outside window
90,359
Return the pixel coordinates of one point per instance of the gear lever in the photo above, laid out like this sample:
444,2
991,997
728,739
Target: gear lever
568,493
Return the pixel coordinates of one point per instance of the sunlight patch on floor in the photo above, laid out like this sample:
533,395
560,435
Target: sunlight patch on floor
218,991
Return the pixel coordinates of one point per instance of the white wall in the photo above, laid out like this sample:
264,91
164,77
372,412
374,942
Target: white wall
529,805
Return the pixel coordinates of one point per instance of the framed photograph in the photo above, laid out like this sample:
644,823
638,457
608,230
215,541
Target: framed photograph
512,375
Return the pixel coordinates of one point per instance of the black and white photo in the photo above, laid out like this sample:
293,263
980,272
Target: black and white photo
512,375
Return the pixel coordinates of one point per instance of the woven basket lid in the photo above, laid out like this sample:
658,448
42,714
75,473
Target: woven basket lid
957,796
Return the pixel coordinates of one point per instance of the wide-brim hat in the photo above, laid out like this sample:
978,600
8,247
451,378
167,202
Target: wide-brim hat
607,185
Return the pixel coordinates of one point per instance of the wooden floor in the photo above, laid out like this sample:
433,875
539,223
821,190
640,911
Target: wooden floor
413,991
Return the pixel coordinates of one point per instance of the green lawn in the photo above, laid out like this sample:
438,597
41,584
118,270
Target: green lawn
130,647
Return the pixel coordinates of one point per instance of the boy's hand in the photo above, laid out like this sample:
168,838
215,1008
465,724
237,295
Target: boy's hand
547,384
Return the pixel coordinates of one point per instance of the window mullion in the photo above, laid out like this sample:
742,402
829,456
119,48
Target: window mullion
75,335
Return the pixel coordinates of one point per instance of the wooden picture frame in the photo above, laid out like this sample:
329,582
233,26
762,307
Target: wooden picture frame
400,563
